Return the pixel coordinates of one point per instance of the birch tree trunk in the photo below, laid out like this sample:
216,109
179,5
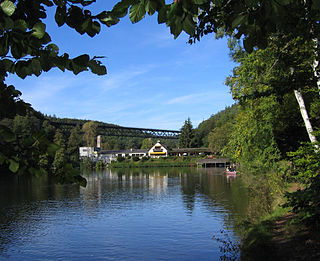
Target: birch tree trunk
315,64
304,115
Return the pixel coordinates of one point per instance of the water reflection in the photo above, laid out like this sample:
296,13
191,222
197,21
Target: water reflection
171,212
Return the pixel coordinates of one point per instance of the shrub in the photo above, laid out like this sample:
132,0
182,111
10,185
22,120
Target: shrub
120,159
144,159
99,164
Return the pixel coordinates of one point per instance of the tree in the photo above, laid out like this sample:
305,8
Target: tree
90,133
59,139
48,129
306,202
219,137
147,144
25,126
252,141
60,155
215,121
26,49
74,142
285,66
186,136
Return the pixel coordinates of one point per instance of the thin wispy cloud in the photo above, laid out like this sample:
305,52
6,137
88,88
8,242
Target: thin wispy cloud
195,98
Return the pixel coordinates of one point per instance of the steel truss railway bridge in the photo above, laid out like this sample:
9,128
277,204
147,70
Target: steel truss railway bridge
119,131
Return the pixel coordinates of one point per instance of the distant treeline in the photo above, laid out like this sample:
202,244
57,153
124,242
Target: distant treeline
62,141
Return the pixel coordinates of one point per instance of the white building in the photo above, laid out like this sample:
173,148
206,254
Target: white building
87,152
110,155
158,150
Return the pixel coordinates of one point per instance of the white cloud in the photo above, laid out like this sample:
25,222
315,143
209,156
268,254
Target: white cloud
196,98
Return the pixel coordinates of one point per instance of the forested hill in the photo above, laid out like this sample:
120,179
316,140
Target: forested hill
215,121
79,122
255,128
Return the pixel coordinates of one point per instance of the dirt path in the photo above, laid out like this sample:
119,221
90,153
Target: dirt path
292,242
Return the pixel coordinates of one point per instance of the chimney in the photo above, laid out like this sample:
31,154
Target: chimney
99,141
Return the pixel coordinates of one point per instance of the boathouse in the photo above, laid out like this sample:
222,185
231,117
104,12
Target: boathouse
219,163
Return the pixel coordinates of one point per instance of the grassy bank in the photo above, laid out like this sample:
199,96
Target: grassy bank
151,162
279,235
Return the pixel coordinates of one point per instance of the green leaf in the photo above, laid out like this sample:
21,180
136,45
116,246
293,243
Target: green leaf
8,23
8,7
121,8
162,15
97,68
14,165
137,12
188,25
47,2
20,25
4,48
54,49
6,134
39,30
107,19
60,15
36,67
7,64
176,26
23,68
82,60
199,2
238,20
93,28
151,7
248,44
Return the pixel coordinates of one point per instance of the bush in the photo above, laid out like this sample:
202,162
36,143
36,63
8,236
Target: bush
144,159
135,158
99,165
86,163
120,159
306,202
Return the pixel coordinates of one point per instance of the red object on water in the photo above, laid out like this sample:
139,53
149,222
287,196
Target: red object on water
231,172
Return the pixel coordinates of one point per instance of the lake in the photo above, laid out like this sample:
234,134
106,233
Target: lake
123,214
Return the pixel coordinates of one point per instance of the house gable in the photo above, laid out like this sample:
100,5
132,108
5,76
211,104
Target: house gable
158,150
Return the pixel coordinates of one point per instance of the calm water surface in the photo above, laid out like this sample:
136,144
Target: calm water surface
164,214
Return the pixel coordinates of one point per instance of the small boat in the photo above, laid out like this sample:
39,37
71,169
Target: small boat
231,173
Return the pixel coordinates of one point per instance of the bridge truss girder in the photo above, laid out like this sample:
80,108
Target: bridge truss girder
118,131
137,132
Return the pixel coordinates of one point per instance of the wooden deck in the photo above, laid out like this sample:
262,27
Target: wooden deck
215,163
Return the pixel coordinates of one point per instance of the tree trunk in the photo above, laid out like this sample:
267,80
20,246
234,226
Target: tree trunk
315,64
304,115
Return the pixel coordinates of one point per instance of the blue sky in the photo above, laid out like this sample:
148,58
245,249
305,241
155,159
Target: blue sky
153,80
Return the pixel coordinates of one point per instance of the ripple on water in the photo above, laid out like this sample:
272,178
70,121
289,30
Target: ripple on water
174,218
